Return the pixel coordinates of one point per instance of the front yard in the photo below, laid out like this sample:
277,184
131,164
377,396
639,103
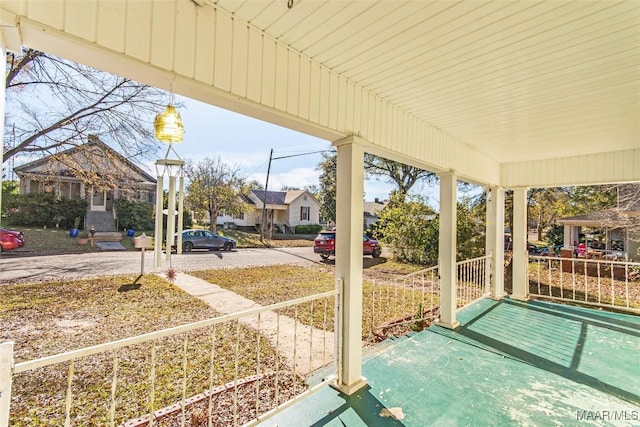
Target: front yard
56,241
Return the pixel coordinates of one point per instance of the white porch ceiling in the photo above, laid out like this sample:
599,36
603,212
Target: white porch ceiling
510,93
516,81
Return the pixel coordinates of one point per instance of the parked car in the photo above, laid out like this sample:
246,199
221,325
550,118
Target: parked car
205,239
325,245
10,239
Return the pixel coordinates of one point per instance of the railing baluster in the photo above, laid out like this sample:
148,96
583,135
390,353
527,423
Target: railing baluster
236,374
324,333
626,283
295,346
549,279
573,277
613,296
259,335
373,309
212,373
278,350
152,385
311,340
114,384
183,405
598,263
69,395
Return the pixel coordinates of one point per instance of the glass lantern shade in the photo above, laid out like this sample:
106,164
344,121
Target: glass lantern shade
168,126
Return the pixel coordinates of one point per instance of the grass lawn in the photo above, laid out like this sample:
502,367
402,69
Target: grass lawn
383,299
53,241
49,318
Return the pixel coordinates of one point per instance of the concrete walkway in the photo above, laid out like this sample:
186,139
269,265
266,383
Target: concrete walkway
303,347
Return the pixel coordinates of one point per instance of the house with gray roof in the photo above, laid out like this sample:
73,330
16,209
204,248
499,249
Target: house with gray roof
92,171
286,209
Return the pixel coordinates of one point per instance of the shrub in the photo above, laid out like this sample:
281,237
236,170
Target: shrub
136,215
42,209
308,228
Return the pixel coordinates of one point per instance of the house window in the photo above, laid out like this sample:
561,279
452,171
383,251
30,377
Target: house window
221,213
305,213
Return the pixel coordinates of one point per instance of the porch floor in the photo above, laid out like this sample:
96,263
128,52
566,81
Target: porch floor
509,363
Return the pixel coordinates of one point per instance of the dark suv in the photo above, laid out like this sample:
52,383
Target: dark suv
325,245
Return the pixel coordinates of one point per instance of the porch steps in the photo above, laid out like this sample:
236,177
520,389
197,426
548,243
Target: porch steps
108,236
100,221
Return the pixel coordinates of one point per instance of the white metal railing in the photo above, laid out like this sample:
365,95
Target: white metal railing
412,301
396,305
601,283
473,280
234,369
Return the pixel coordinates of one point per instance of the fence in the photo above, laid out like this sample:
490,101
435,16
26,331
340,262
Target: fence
412,301
230,370
473,280
601,283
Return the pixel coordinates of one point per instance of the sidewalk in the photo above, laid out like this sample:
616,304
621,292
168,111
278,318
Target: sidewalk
302,346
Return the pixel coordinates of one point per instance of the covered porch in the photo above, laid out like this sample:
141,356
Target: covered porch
553,365
505,95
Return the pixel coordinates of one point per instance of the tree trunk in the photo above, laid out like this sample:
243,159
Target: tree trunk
213,221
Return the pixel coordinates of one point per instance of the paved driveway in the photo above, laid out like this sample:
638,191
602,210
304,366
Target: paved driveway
37,268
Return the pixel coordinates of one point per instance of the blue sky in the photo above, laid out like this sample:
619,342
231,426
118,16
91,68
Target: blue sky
243,141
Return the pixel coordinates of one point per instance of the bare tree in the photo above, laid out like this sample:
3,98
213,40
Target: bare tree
400,174
54,104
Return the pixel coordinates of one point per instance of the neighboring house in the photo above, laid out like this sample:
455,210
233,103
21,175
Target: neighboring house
372,211
286,209
92,171
620,225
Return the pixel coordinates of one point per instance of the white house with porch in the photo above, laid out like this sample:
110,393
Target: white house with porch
286,209
506,95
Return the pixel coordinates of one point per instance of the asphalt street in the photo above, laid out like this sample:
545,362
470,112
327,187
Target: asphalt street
38,268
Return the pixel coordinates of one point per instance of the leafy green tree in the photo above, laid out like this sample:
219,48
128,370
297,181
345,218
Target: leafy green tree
411,229
545,206
327,192
405,226
214,186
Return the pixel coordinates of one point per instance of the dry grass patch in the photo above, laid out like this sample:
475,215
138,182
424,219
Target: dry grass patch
49,318
383,300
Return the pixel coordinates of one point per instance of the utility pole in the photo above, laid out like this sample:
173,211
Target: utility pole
266,185
264,200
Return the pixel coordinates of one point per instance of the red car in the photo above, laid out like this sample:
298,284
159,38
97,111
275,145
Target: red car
325,245
10,239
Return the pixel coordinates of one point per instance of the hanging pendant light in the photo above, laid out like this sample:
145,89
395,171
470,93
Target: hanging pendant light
168,126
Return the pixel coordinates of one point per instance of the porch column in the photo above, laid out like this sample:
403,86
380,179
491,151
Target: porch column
447,250
3,52
348,271
495,239
520,261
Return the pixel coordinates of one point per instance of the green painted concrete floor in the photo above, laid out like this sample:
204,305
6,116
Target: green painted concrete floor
508,364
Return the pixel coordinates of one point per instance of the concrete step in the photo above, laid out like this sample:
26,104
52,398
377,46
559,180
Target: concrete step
107,236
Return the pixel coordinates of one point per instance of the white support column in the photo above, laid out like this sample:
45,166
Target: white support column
3,52
349,214
157,249
520,261
6,368
495,239
447,250
180,213
171,216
